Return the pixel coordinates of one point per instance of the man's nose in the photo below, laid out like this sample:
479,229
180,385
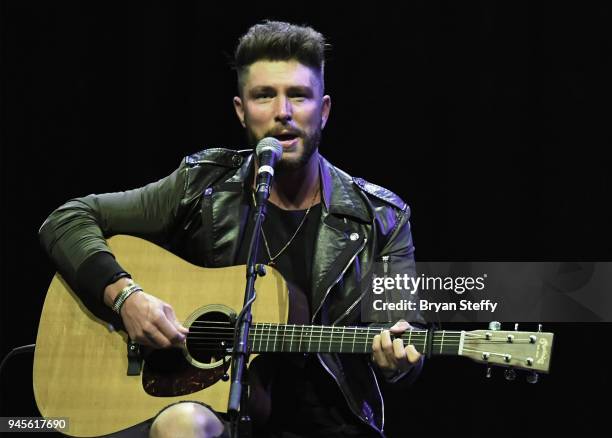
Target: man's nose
284,111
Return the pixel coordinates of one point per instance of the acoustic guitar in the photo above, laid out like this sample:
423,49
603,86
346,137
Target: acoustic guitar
86,369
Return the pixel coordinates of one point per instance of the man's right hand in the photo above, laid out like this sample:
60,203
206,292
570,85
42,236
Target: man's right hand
147,319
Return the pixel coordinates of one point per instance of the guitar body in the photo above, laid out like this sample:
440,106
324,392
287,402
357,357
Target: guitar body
81,362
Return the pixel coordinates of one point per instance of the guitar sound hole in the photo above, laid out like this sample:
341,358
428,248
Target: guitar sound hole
210,337
167,373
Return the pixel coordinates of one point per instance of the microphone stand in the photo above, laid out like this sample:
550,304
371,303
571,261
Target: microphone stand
238,396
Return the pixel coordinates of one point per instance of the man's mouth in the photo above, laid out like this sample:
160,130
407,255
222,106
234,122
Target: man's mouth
287,139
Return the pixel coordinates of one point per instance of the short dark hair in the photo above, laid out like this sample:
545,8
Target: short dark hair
279,41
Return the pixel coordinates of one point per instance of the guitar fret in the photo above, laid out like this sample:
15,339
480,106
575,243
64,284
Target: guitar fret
275,336
354,336
442,342
341,341
261,337
301,334
284,337
309,338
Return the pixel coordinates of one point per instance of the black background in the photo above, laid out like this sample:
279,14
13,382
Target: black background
491,119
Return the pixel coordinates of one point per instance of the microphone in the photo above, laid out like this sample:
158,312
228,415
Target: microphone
269,151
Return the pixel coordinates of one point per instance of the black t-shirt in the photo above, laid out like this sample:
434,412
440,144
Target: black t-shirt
305,399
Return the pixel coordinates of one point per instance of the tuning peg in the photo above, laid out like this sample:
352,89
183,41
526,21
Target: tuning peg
533,377
539,327
516,327
494,325
510,374
488,374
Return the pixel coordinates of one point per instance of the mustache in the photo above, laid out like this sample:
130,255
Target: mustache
284,131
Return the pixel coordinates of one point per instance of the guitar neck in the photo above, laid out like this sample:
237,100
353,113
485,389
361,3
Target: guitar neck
290,338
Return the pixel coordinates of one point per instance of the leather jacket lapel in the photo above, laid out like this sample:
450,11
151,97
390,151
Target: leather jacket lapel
225,211
336,246
340,238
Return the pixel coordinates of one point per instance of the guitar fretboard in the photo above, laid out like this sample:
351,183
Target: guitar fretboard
289,338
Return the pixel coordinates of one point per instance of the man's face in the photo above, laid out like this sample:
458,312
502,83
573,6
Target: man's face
284,99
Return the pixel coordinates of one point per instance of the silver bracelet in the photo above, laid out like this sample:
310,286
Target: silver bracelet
124,295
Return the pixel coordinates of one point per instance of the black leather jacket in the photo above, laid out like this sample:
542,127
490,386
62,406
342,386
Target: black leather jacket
199,212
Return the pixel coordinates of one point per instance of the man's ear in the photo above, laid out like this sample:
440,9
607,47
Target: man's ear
325,109
239,110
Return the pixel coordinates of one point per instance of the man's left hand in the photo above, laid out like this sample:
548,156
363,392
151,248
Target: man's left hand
390,355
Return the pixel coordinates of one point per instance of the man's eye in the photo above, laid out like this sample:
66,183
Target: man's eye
263,96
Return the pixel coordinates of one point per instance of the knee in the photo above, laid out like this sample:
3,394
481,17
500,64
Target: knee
186,420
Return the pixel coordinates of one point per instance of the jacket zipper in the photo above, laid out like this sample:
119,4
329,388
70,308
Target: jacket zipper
363,244
385,260
365,421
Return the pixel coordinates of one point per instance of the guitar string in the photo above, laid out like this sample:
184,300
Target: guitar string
292,333
273,327
310,333
214,341
351,334
358,338
334,332
194,335
259,325
302,329
283,342
276,326
360,342
297,335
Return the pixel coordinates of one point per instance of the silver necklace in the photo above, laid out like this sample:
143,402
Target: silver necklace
271,258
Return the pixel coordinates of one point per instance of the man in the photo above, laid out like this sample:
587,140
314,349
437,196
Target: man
324,229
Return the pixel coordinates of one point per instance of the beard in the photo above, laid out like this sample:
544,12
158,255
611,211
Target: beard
310,142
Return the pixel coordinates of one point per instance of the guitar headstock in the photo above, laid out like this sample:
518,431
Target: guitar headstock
513,349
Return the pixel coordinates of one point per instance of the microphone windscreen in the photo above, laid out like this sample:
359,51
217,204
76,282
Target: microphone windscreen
269,145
